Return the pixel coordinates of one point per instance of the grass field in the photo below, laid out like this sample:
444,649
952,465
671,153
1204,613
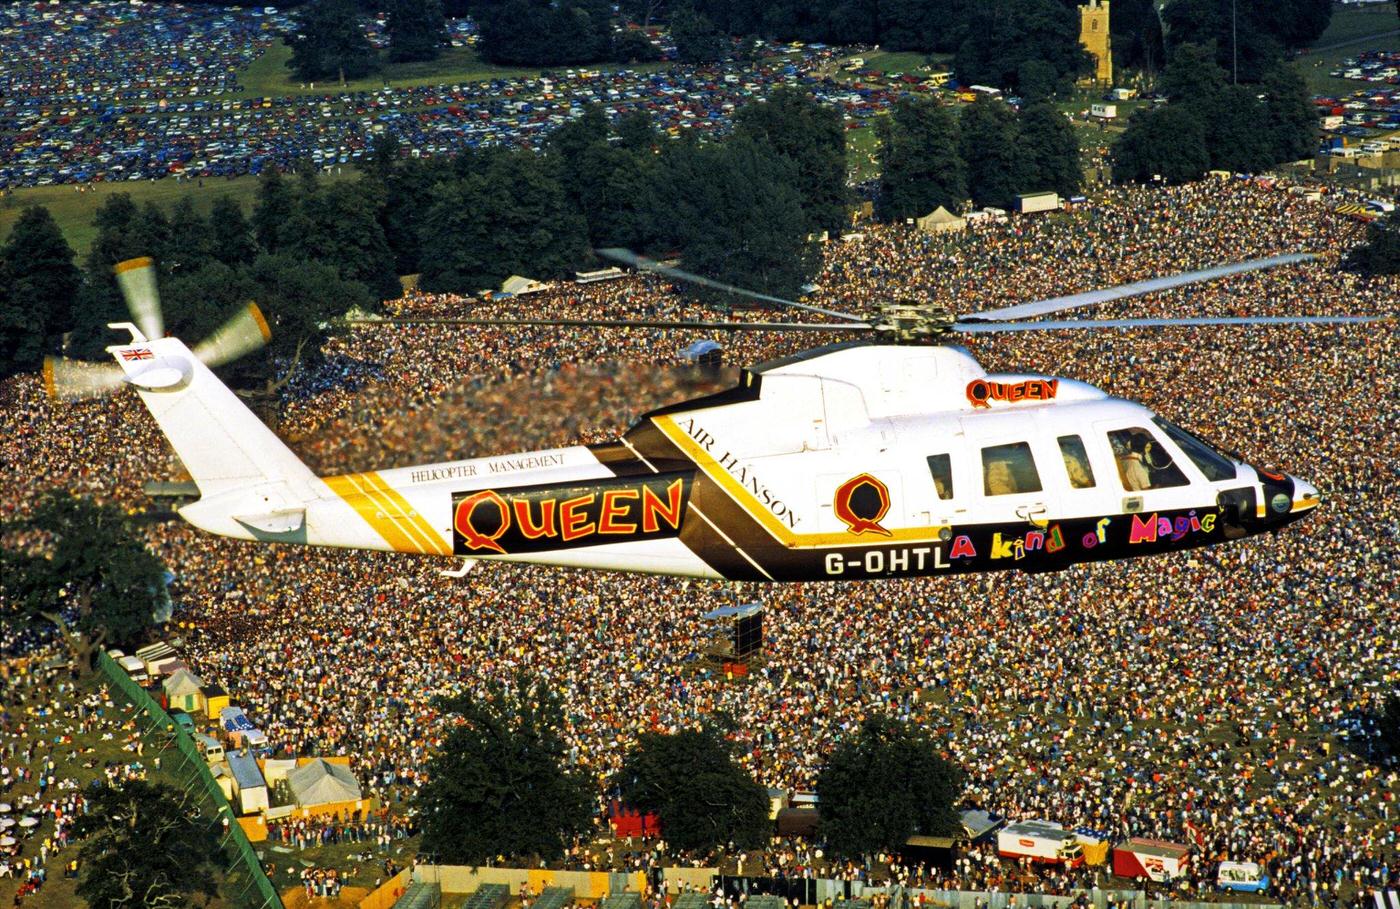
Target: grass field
95,751
1346,37
74,210
861,147
268,75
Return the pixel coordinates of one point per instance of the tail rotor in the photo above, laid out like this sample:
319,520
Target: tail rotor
76,380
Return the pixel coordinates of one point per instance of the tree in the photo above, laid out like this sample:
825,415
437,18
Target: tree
989,140
697,40
415,30
735,212
191,243
338,224
99,301
1166,142
1238,134
1248,37
633,46
272,210
511,217
1037,81
692,783
885,784
540,33
1388,727
80,566
197,300
498,785
1137,36
1380,254
329,42
1051,150
1290,113
230,233
144,844
38,286
810,135
300,299
920,167
1193,76
1001,35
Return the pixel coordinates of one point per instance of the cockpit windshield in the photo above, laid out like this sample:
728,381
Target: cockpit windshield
1212,463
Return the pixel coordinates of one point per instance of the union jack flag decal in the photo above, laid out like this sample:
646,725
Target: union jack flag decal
138,353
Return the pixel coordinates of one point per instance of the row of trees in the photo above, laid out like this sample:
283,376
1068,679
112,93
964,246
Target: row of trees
931,156
1211,123
500,784
741,210
1020,45
330,42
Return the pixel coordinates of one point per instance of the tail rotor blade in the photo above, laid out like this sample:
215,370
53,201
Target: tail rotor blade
137,279
242,334
76,380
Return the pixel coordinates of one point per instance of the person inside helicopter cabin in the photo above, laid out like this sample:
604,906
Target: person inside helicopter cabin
1129,450
1142,461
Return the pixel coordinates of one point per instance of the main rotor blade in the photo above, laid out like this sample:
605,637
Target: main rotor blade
642,263
1152,285
137,280
983,328
243,333
628,323
79,380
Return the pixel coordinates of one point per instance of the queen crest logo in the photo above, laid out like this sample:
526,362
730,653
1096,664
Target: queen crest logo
861,503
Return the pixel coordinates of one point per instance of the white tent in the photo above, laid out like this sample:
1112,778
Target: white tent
320,782
518,286
941,220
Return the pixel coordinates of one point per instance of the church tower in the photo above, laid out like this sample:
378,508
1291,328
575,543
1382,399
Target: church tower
1093,34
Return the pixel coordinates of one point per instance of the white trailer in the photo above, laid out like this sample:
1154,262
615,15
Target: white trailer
1030,203
1156,860
1040,841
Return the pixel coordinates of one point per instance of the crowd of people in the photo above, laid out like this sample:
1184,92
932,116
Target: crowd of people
46,717
1208,697
168,102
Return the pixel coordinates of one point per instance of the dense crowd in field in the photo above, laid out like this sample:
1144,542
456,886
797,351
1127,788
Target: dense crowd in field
1214,697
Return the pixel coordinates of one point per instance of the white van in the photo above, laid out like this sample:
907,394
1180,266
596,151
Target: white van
210,747
135,668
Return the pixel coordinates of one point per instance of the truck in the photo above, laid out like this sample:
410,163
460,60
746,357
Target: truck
134,668
1040,841
1156,860
1030,203
1246,877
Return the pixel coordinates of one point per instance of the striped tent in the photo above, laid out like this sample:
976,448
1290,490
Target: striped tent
1359,212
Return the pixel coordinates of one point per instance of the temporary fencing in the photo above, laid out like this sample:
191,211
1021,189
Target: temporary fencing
246,878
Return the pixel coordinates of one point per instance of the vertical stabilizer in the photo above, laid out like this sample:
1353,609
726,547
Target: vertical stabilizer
222,444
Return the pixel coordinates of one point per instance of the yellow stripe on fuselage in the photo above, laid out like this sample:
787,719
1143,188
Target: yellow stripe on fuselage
432,540
387,513
784,534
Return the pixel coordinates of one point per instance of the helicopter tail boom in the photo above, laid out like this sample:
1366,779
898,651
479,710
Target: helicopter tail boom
242,469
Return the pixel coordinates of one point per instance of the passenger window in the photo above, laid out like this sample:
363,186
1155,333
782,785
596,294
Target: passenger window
941,467
1142,461
1081,475
1009,469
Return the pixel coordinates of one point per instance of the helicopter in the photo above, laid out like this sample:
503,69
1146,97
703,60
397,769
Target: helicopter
892,455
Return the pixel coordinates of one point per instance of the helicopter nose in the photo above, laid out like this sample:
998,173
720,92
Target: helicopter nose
1305,496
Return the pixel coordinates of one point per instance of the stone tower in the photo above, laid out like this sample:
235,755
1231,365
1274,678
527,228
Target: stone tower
1093,34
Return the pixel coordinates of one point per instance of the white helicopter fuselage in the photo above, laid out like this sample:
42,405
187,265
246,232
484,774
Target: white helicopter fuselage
845,463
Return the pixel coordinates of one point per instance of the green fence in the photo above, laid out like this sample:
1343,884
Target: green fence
246,878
